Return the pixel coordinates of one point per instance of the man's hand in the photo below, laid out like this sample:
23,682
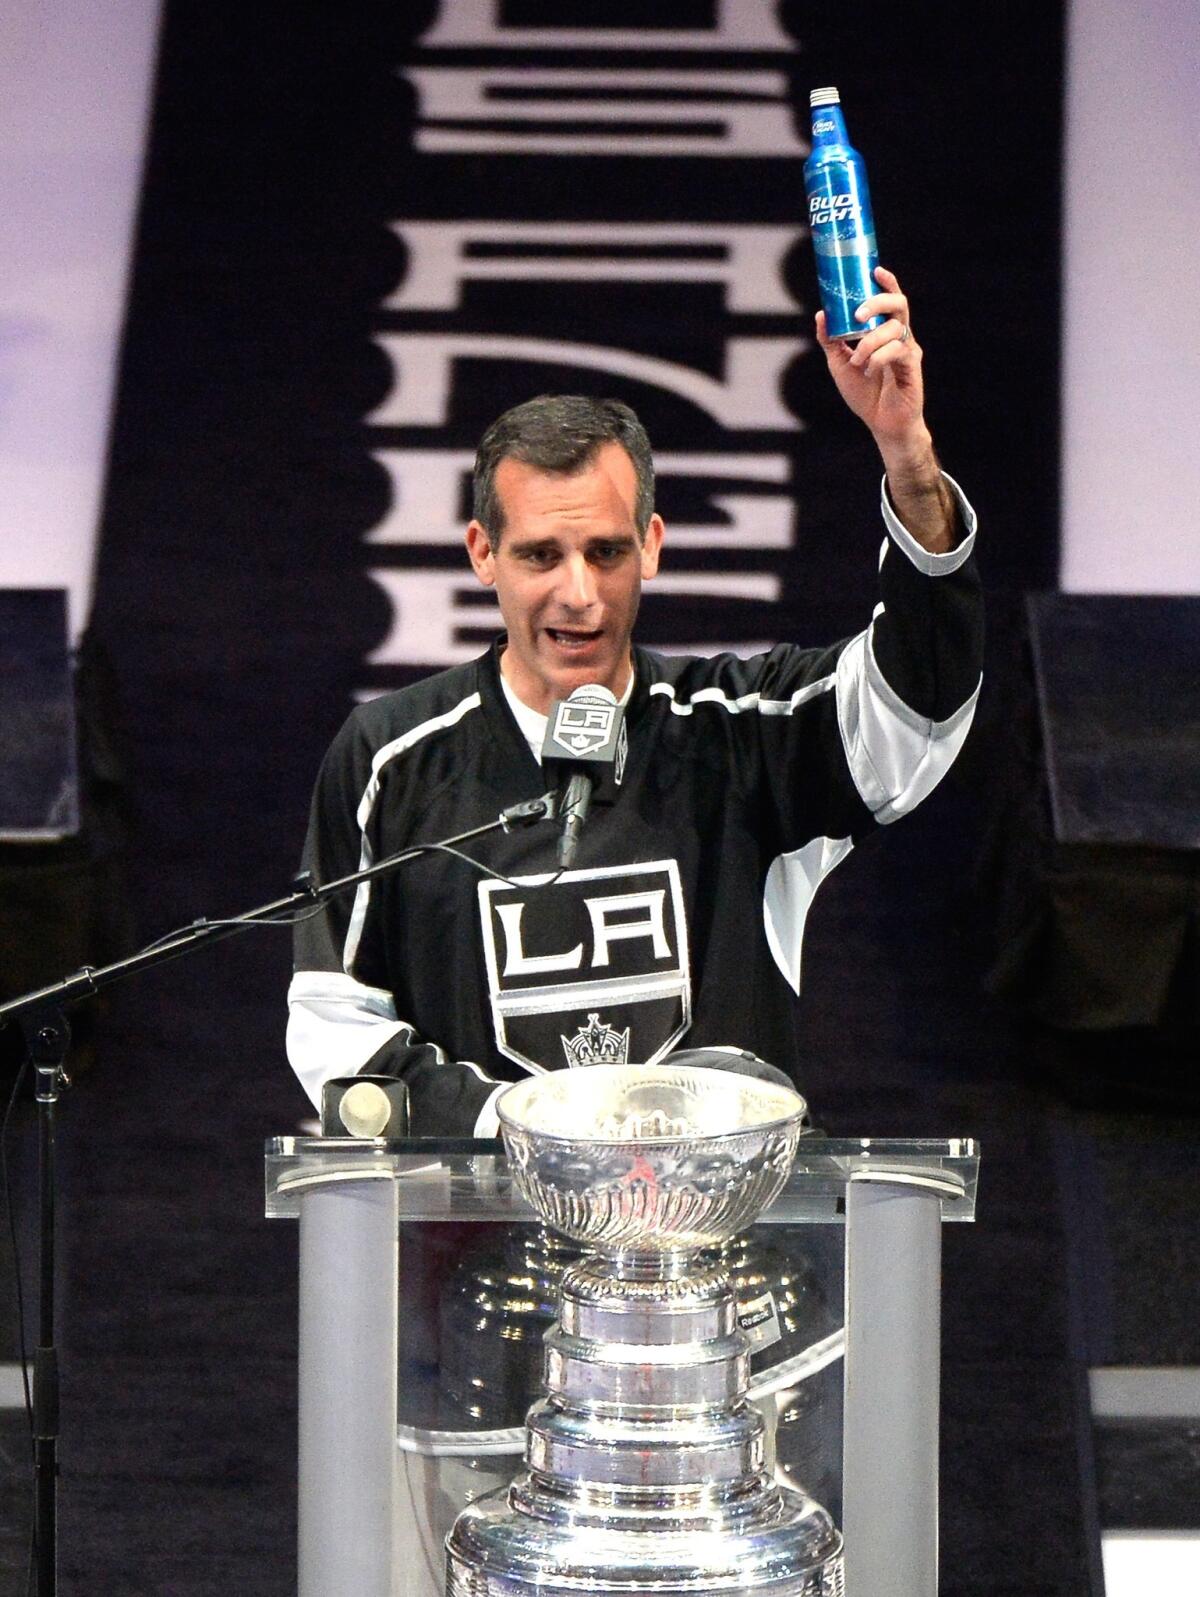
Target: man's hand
880,379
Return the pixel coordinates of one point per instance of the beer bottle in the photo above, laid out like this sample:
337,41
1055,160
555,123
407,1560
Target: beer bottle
839,218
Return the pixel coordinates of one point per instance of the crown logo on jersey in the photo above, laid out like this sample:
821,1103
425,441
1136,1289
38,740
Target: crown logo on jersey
597,1044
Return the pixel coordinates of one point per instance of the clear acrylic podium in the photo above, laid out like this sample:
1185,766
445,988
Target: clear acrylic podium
398,1424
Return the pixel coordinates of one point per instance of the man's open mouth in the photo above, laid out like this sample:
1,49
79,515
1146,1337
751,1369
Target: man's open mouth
573,639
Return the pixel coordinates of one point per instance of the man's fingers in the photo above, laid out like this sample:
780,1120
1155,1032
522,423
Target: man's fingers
892,302
890,355
823,337
883,305
835,348
892,332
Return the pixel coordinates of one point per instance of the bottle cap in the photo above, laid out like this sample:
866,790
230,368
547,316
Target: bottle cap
824,97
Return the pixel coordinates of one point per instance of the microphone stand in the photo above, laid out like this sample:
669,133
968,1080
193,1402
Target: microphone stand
42,1016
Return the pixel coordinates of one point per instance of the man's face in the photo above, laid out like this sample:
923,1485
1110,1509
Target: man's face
568,573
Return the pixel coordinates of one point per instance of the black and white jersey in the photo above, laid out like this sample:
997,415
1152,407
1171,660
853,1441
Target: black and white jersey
682,919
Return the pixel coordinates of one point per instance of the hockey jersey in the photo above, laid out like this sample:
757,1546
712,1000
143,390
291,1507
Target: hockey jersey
681,921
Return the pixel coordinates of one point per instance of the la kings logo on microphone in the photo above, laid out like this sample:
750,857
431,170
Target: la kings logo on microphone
582,728
591,969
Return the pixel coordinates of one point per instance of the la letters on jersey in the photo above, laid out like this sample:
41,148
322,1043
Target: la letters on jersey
589,969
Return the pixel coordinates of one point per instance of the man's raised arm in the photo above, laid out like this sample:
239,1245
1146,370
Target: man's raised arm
880,379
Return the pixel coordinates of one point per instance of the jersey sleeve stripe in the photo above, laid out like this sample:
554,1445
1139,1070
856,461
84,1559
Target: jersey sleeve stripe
896,757
895,705
384,756
747,701
401,745
335,1024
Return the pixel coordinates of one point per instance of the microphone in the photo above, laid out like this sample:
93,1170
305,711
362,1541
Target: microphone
584,733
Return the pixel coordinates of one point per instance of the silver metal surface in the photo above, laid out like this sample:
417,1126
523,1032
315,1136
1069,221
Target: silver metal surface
497,1305
648,1158
645,1464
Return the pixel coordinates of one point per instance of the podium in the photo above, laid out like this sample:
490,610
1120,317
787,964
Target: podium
398,1424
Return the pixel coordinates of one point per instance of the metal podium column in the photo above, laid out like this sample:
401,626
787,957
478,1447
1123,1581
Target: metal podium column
347,1396
892,1382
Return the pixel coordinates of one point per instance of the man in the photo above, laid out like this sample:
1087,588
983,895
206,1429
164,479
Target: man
745,782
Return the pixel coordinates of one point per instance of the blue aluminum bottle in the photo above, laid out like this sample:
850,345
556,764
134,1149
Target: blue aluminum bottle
839,217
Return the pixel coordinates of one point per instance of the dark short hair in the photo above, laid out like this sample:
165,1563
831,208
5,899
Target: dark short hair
560,433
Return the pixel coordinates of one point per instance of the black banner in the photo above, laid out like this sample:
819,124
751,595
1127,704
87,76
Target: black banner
367,232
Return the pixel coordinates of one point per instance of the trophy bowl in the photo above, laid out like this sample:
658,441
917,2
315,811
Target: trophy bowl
649,1159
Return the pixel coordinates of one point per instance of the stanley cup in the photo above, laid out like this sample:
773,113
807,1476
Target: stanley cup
645,1467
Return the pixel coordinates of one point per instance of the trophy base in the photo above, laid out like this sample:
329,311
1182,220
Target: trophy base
786,1546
